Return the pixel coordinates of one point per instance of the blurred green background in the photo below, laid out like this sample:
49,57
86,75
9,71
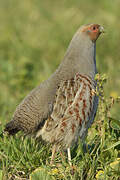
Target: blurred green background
34,36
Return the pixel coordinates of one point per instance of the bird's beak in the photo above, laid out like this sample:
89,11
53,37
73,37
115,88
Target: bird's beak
101,29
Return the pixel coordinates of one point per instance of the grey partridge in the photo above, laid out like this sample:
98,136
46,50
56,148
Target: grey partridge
63,107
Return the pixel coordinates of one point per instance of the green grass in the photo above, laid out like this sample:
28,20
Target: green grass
34,36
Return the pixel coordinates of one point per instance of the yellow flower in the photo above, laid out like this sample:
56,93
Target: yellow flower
54,171
57,172
116,164
100,174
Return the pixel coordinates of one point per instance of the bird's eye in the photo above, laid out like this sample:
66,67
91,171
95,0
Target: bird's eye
94,28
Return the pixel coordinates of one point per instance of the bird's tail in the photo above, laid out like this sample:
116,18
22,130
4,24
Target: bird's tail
11,128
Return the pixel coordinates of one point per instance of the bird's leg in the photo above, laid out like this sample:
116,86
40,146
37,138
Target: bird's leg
62,156
69,156
53,154
72,171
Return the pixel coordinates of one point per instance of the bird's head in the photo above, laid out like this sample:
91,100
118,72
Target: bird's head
92,30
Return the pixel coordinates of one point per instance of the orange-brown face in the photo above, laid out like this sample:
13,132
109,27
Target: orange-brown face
93,31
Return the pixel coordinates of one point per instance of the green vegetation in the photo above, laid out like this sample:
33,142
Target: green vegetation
34,36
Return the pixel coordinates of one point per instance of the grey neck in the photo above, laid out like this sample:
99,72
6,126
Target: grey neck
81,55
79,58
95,67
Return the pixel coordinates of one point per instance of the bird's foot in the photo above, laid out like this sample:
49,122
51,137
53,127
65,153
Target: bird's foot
72,170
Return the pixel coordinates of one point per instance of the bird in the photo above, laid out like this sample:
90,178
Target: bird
63,107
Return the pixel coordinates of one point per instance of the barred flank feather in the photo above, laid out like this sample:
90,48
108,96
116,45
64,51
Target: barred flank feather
72,112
